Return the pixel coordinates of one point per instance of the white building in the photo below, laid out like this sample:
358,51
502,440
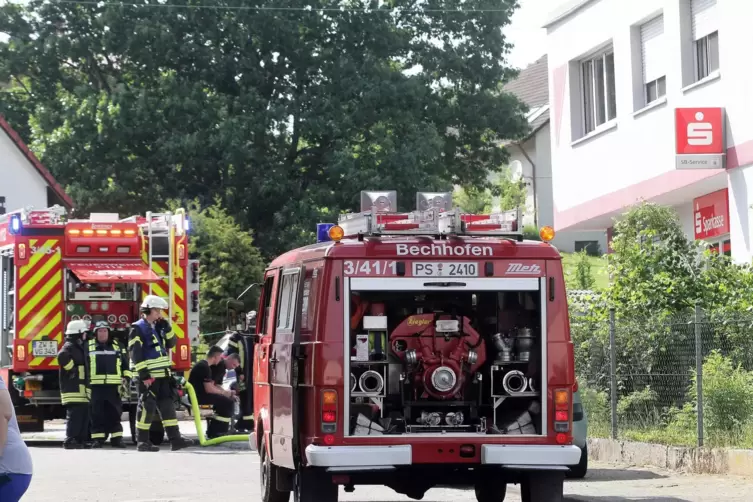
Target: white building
531,160
624,76
24,181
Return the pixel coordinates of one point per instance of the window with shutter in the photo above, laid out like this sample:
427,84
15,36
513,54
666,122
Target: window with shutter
598,90
704,27
653,59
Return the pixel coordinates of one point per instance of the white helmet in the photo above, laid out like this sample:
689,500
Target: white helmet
154,302
77,327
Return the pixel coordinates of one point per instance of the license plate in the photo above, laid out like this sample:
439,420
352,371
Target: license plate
445,269
45,349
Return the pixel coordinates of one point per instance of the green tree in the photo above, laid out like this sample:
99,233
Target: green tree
473,200
584,279
228,262
283,111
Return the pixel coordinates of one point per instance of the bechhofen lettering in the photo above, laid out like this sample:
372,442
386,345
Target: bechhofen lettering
443,250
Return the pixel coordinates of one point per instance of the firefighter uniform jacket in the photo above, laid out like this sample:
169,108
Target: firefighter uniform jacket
149,346
241,344
74,373
108,363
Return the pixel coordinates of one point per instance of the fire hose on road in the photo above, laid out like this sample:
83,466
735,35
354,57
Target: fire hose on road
203,441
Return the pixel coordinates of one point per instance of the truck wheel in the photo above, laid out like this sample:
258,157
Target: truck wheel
543,487
268,479
311,485
579,471
490,491
157,433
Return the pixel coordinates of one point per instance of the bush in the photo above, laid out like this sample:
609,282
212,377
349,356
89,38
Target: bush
727,395
531,233
584,279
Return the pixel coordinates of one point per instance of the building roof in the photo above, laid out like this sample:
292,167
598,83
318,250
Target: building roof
565,11
54,185
532,88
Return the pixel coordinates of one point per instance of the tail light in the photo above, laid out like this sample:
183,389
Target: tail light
329,411
22,251
562,407
20,352
195,272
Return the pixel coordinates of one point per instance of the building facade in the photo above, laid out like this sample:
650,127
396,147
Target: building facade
649,102
24,181
530,160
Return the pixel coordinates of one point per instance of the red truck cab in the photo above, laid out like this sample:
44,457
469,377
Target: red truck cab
413,350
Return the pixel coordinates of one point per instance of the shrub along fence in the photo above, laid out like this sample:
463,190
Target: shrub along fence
682,380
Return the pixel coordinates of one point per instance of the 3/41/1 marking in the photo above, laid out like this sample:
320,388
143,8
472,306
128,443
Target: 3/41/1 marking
370,267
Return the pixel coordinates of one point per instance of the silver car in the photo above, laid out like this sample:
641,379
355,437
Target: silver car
580,436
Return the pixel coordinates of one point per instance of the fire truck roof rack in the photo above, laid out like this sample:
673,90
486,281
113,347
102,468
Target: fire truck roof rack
432,222
47,216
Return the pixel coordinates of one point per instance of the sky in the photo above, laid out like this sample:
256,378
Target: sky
526,33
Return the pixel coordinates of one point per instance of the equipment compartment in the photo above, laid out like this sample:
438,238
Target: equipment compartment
445,362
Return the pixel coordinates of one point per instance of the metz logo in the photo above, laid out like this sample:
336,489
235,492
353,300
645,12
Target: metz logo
700,133
520,269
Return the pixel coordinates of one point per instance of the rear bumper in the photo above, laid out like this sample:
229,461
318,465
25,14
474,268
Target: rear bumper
355,458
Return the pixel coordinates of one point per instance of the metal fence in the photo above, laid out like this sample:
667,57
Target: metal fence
685,380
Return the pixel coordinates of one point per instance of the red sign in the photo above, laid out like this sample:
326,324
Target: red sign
711,214
699,131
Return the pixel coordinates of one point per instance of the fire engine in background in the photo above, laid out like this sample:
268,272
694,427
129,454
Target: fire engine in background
54,271
413,350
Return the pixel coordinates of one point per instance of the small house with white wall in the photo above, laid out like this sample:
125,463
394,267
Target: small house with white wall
531,160
24,181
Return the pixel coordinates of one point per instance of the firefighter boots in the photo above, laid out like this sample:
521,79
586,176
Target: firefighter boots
117,442
148,446
180,442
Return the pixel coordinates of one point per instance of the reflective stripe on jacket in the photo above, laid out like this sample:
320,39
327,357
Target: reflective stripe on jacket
74,373
108,362
149,348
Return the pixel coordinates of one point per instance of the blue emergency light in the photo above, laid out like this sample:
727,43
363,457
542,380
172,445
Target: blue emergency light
322,232
15,225
187,224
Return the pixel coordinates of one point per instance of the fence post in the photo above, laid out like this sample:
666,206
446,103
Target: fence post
699,370
613,371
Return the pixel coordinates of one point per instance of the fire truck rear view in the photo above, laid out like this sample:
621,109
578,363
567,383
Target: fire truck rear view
413,350
54,270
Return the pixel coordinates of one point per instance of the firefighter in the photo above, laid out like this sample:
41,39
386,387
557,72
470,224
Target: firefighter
206,379
242,344
109,368
74,385
149,343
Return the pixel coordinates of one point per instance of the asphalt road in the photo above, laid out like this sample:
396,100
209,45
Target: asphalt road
217,474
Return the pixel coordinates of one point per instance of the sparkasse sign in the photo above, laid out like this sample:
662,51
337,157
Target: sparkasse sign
711,215
699,138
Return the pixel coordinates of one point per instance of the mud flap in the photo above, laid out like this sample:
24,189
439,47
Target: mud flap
543,487
30,418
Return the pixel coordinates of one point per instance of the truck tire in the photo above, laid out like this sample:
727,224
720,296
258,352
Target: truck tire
268,479
543,487
579,471
312,485
490,491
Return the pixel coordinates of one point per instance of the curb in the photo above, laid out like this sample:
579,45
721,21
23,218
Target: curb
673,458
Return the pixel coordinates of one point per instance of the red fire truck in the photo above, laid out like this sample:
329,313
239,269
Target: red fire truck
54,270
413,350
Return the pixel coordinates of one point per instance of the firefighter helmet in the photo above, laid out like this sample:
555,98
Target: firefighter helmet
101,324
76,327
154,302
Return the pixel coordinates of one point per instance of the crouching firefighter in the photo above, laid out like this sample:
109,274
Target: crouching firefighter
242,344
109,368
74,385
149,343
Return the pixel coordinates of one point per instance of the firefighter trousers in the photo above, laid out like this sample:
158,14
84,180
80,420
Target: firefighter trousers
77,423
106,409
223,410
157,399
246,419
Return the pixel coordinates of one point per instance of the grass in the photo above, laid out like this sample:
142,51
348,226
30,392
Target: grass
598,269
